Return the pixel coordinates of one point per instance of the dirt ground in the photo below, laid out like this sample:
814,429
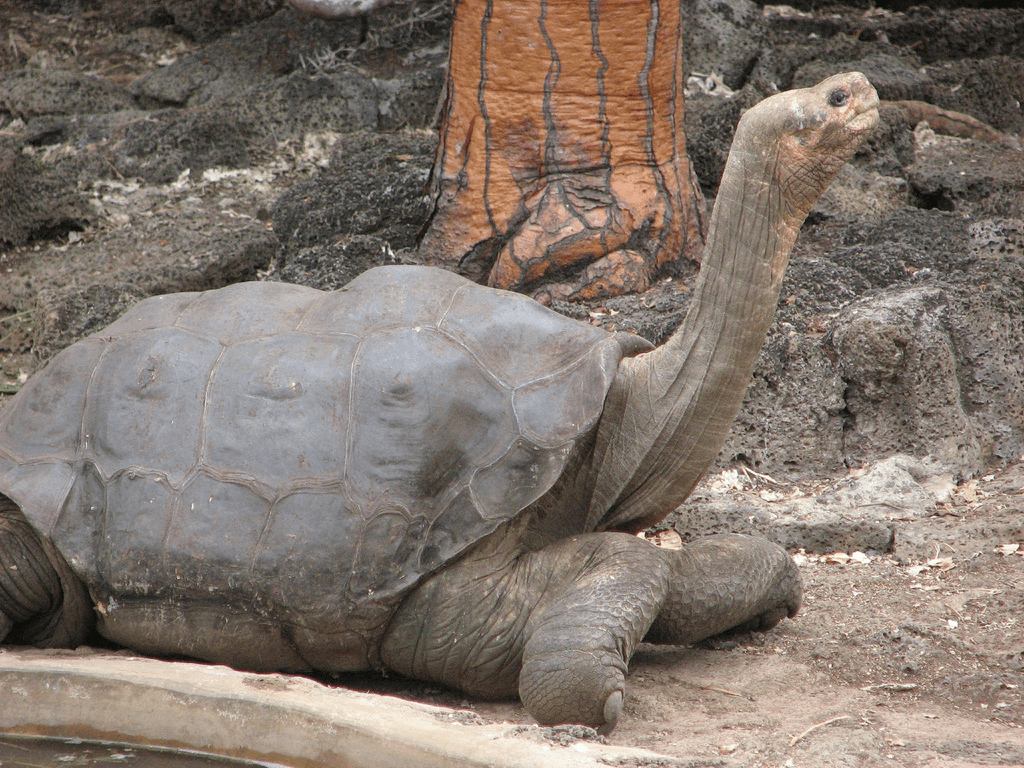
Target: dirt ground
153,152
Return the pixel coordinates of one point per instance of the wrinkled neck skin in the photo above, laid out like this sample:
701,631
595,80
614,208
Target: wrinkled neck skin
669,410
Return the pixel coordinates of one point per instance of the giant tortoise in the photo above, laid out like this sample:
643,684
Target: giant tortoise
414,472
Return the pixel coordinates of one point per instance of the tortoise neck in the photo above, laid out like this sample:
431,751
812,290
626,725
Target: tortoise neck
753,230
693,385
707,362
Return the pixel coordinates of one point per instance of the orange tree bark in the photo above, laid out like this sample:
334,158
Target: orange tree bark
561,168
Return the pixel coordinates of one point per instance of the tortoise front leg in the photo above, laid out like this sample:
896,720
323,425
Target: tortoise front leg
557,625
581,638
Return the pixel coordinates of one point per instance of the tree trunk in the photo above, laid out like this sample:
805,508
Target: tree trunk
561,167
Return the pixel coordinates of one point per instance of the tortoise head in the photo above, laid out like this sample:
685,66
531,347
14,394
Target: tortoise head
806,135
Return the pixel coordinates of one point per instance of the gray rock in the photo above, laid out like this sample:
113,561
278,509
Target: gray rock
793,416
410,100
824,533
160,148
888,489
935,368
31,92
727,39
863,511
987,178
287,107
375,186
332,265
250,55
897,354
83,296
35,201
991,90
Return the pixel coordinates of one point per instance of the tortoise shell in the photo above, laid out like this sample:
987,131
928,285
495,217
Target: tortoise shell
295,452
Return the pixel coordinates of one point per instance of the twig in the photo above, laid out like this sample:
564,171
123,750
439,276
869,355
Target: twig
113,167
14,319
16,316
726,691
890,687
953,123
752,476
329,59
15,746
816,726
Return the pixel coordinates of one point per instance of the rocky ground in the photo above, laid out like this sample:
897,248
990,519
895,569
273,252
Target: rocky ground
166,145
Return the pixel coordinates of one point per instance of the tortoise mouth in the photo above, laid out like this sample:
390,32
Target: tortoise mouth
865,119
865,109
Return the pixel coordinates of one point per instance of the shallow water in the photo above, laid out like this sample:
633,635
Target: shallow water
36,752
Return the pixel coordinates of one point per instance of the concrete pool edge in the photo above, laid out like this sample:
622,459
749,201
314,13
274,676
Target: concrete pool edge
274,718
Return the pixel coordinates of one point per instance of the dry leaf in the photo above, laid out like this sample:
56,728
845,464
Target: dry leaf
666,539
969,491
1007,549
729,480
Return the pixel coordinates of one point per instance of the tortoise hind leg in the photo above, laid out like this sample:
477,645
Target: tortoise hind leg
42,602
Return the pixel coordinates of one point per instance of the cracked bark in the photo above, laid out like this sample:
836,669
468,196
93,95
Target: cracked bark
561,167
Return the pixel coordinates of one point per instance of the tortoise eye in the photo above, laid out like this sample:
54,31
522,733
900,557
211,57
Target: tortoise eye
838,98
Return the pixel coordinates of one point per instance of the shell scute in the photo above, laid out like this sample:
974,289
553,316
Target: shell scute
447,535
388,558
239,311
145,404
558,408
47,420
428,416
212,537
278,409
518,478
298,561
518,339
382,298
78,528
154,312
139,508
